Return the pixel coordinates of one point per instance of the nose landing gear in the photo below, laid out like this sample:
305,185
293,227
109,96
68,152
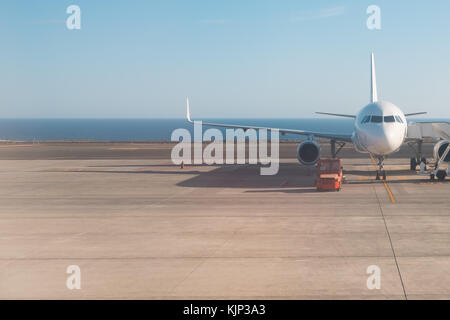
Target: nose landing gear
381,173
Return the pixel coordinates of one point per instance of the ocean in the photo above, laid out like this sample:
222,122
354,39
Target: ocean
145,129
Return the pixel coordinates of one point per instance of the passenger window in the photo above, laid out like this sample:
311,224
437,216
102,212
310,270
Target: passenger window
377,119
389,119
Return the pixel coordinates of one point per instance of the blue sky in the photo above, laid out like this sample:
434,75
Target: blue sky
233,58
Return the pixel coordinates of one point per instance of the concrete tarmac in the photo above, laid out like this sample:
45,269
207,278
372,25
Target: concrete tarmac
140,227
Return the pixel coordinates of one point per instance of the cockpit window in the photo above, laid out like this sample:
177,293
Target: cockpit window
380,119
377,119
389,119
365,119
399,119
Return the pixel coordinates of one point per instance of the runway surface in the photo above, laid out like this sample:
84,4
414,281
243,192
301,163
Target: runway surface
140,227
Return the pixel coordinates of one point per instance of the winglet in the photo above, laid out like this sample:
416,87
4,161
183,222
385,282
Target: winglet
188,111
373,83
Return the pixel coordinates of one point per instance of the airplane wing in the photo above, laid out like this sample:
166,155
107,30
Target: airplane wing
338,115
415,114
331,136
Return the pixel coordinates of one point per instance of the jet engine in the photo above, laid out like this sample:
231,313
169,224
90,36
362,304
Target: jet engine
308,153
439,150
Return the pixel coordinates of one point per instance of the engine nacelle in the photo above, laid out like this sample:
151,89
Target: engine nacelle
308,153
439,150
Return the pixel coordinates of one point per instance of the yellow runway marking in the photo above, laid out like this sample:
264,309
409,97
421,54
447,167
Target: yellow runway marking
388,189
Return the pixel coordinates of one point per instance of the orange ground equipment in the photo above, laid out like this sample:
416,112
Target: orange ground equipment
329,175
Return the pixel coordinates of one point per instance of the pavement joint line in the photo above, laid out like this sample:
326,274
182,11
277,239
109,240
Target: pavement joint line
9,260
202,261
390,241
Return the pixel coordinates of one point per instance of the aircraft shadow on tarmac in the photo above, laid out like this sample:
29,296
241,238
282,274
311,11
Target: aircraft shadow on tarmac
184,172
394,176
290,175
292,191
144,166
365,173
291,178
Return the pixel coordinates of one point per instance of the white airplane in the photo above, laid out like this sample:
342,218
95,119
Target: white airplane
380,129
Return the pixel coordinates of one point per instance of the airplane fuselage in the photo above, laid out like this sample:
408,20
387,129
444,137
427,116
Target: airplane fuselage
380,129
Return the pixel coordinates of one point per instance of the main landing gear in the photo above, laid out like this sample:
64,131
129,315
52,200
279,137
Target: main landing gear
418,160
334,150
381,173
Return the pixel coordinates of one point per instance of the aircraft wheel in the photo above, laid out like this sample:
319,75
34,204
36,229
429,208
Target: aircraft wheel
432,176
441,174
424,160
378,176
384,175
413,164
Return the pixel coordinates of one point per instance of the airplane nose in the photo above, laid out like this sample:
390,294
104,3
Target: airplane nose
386,140
393,139
390,139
